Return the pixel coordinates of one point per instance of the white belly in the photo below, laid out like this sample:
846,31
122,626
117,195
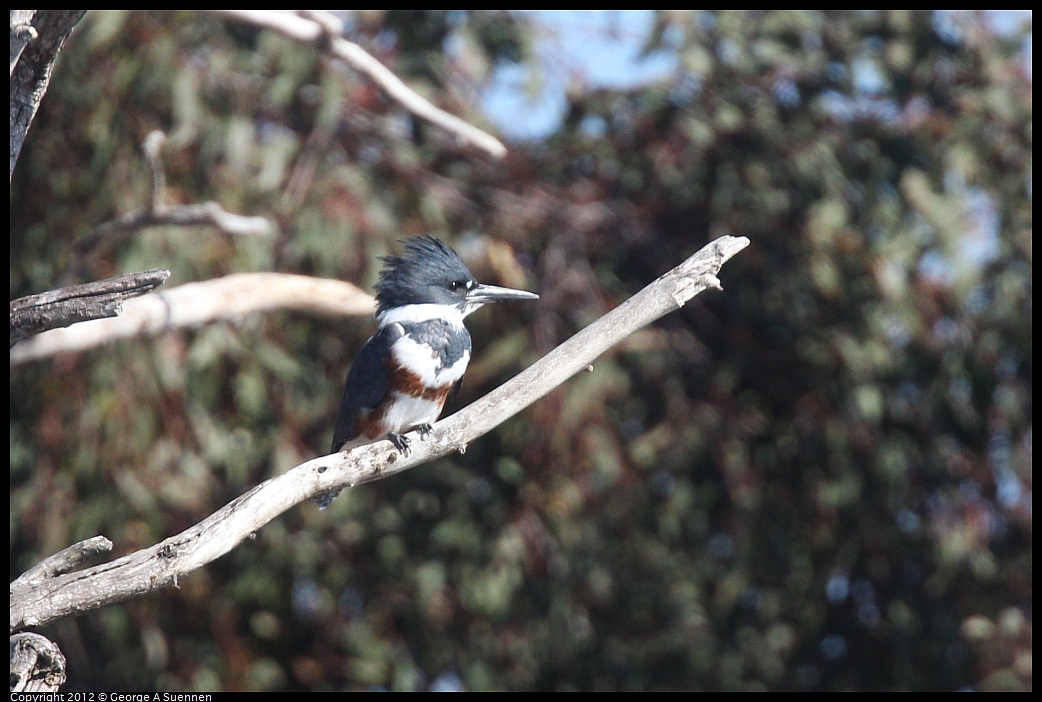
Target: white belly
409,412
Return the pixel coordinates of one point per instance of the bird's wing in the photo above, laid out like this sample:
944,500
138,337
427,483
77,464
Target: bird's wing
455,392
367,383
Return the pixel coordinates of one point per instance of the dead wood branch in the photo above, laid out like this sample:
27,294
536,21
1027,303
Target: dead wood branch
38,602
227,298
34,314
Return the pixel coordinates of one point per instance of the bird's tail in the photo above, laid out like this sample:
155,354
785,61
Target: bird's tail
324,499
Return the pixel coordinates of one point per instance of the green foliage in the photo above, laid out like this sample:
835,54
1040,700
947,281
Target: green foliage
818,479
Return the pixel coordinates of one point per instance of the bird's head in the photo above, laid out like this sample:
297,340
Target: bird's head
431,273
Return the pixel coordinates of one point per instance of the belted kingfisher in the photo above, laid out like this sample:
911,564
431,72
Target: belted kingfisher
403,375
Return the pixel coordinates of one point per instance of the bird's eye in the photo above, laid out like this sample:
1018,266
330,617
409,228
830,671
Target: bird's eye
457,285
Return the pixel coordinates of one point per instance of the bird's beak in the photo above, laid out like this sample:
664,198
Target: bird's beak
483,294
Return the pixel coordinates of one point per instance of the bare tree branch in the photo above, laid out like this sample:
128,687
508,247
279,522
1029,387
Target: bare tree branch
158,213
79,303
67,559
37,664
208,214
319,26
36,38
191,304
36,603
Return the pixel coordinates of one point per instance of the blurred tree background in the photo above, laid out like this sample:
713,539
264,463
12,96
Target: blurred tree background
818,479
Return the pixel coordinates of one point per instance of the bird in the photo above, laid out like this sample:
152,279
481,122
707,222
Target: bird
405,373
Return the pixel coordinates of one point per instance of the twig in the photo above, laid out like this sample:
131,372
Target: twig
159,565
318,26
79,303
153,150
67,559
229,297
209,214
158,213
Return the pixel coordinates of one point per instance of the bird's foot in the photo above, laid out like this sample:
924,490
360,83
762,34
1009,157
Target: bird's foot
425,430
401,442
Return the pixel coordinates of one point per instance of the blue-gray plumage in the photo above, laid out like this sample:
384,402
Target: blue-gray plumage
403,375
